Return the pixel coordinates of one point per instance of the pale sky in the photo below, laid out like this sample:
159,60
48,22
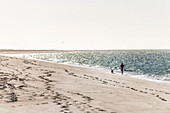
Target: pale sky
84,24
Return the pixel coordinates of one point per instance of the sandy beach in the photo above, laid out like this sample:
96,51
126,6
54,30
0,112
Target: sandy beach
30,86
85,56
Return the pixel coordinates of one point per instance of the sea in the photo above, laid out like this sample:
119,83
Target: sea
145,64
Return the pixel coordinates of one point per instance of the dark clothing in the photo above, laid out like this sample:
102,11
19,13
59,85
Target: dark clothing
112,71
122,68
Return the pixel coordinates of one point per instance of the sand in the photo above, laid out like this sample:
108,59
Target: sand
30,86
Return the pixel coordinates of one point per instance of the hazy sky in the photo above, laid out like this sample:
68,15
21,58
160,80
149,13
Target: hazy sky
85,24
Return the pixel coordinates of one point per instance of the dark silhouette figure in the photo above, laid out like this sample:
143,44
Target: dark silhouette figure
122,68
112,71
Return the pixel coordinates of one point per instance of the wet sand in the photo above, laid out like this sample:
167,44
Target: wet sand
29,86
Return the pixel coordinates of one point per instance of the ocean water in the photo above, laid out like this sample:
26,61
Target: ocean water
154,64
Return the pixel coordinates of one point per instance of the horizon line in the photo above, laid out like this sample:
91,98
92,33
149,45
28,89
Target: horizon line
77,49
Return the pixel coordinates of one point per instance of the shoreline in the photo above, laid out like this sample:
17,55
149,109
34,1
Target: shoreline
36,86
142,77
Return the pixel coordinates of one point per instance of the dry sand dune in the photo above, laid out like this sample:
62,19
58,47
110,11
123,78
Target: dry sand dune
29,86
